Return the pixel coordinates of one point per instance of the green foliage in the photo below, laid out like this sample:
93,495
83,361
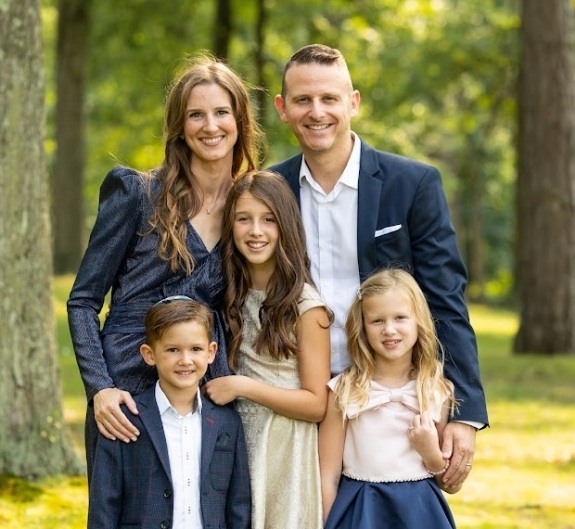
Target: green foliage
437,79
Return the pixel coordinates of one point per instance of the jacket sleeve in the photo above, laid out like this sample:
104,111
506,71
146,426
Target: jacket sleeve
114,233
441,273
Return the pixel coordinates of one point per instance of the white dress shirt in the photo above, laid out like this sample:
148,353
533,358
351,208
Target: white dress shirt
184,440
330,222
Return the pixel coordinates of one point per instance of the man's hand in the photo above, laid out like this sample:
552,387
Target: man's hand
458,445
110,419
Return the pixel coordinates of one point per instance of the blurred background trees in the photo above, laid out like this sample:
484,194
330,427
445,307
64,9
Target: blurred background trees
438,80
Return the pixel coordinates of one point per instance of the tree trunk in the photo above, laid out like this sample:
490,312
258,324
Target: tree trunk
67,182
34,443
260,61
546,180
222,28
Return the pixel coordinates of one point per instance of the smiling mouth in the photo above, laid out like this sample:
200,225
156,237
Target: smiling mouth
212,141
256,245
318,127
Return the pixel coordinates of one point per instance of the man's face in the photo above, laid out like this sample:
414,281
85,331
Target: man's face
319,104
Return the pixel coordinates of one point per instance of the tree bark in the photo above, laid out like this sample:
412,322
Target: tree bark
67,182
222,29
546,180
34,443
260,62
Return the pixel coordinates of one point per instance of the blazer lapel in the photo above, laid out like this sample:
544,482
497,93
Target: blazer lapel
369,194
150,417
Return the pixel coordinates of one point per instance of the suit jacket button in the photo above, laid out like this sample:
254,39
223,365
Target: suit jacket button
165,524
167,493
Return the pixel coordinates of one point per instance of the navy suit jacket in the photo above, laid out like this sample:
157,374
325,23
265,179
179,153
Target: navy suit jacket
131,484
394,191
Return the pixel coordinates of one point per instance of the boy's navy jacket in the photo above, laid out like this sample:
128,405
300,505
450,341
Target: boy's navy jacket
131,484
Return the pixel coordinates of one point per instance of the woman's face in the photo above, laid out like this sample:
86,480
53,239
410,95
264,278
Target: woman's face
210,128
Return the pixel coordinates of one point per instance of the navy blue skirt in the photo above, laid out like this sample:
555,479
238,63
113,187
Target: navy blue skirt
403,505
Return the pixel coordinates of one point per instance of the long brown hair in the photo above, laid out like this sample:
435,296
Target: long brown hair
179,199
279,311
427,361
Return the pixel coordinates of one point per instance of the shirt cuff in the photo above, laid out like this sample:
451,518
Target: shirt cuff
475,424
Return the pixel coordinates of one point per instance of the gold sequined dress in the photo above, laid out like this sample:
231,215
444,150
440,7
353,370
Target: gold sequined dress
282,452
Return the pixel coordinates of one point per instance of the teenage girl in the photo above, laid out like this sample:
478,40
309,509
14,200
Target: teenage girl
379,443
279,349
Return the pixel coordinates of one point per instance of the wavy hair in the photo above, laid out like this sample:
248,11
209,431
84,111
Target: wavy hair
179,198
427,355
279,311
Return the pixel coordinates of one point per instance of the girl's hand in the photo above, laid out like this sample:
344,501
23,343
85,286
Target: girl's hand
222,390
424,439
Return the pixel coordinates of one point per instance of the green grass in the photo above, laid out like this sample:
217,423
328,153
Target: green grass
523,476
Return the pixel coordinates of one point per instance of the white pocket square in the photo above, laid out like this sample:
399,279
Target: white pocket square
389,229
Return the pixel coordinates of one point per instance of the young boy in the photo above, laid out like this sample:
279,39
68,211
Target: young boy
188,468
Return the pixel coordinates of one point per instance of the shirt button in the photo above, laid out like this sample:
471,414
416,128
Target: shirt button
167,493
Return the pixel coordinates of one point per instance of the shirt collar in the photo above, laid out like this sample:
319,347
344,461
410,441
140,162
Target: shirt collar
350,175
164,404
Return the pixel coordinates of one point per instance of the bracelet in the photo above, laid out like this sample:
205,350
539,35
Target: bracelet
438,472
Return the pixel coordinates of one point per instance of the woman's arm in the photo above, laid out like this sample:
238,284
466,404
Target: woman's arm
307,403
331,441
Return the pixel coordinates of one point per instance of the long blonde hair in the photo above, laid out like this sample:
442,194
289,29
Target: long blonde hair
179,199
427,355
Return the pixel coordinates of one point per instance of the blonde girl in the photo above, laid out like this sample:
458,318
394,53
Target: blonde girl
379,443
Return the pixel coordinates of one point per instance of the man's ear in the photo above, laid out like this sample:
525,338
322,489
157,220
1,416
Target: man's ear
280,107
355,100
148,354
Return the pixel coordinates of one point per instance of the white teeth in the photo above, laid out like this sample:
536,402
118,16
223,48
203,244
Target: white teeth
256,245
318,127
212,141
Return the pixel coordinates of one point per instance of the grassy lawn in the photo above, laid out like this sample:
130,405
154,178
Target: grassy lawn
523,476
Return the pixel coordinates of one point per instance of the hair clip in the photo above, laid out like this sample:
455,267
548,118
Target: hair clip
169,299
359,294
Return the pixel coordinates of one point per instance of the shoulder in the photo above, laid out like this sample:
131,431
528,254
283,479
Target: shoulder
391,165
126,181
288,166
310,298
227,413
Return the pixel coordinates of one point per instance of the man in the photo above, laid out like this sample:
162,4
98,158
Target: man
365,209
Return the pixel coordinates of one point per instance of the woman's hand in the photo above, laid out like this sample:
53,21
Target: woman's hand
111,421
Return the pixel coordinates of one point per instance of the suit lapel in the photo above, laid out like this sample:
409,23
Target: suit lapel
210,429
369,194
150,417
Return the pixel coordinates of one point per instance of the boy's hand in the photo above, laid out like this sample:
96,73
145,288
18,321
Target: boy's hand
111,421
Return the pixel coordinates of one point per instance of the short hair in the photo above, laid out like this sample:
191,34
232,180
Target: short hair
313,53
167,313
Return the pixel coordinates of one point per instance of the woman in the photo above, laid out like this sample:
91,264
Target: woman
157,235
